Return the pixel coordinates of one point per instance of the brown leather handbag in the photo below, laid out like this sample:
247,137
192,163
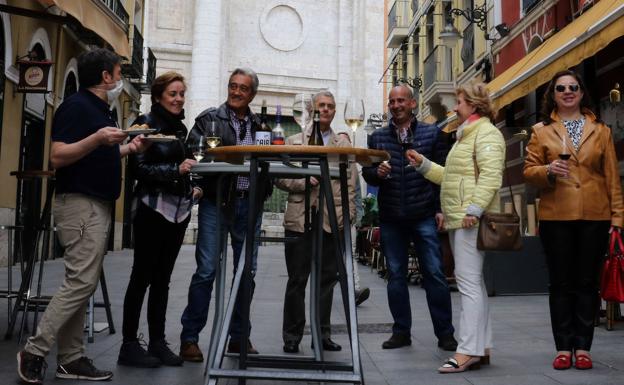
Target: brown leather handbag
497,231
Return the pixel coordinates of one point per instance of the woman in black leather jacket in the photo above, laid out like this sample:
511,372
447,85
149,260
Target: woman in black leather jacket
164,198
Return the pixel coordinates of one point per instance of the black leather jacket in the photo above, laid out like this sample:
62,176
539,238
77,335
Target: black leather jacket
227,133
157,169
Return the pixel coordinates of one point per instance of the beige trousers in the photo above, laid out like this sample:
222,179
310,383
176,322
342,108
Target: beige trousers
475,329
82,224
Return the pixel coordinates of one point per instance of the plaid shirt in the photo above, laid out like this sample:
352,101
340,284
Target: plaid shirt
242,182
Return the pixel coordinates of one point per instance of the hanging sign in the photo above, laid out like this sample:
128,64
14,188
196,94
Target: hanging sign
33,76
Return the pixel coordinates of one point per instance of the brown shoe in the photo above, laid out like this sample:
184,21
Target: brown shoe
189,351
234,347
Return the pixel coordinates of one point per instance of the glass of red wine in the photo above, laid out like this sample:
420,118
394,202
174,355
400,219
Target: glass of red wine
407,142
565,153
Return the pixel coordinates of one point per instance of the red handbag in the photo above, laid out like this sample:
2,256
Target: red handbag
612,279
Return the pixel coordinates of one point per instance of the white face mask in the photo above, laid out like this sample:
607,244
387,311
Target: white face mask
114,93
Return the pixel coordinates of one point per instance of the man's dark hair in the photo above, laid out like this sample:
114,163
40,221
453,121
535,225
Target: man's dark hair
92,63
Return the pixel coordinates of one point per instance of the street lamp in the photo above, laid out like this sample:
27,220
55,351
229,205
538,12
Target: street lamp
449,35
476,15
369,128
415,83
374,122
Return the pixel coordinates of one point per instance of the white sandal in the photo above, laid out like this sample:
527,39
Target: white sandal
452,366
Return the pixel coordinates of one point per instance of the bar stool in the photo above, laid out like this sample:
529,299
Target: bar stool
27,302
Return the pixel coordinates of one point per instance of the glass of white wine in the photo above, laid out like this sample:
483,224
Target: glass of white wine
198,149
212,137
302,110
354,114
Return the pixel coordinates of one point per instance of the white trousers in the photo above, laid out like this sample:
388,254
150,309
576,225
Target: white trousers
475,331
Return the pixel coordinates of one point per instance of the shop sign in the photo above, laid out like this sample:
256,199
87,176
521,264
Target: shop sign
33,76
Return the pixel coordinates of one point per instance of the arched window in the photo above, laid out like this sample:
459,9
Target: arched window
71,85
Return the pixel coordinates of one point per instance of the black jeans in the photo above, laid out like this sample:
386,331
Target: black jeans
574,252
157,243
298,259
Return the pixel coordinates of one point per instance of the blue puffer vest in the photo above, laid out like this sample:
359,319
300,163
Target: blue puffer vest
407,195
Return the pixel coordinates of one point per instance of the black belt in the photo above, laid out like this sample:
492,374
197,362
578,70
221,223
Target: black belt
242,194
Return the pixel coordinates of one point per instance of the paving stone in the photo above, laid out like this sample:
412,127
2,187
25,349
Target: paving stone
522,353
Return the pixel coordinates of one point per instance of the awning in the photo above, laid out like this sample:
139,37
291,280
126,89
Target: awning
588,34
95,18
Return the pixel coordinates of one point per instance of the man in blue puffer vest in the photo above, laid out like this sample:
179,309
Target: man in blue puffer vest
409,209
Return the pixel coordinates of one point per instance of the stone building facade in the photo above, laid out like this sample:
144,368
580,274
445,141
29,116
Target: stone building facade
294,46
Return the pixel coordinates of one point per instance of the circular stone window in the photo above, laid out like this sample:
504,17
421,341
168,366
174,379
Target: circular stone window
282,27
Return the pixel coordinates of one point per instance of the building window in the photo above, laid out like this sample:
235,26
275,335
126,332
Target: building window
404,61
528,5
71,85
467,51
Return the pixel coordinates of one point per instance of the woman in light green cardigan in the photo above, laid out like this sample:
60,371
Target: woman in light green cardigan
464,196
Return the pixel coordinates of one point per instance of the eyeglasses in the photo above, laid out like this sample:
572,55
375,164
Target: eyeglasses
571,87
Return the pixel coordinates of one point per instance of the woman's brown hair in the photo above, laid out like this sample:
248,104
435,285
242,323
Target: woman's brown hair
161,83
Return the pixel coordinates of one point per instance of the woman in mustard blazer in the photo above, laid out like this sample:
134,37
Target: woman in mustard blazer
580,198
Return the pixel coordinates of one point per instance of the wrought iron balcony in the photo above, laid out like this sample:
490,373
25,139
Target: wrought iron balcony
118,9
435,69
399,19
134,69
150,72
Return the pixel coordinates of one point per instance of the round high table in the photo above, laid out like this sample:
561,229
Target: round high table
325,163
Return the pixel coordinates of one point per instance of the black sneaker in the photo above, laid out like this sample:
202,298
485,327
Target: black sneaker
160,350
133,354
397,340
82,369
361,296
30,367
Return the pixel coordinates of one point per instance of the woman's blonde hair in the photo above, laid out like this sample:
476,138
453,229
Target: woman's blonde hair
476,94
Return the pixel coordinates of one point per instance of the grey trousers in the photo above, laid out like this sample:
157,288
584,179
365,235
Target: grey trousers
82,223
298,260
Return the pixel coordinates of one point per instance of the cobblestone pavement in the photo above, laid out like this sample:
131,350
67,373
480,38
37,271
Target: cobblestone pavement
522,354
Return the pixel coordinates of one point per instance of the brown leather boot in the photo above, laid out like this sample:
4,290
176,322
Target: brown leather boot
189,351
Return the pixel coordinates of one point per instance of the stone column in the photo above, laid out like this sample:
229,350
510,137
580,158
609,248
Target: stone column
207,85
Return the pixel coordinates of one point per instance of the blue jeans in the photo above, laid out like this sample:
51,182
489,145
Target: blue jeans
395,238
195,315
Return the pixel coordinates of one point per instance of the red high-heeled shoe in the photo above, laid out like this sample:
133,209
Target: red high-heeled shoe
562,362
583,361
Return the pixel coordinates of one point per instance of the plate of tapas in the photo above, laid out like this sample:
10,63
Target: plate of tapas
161,138
138,129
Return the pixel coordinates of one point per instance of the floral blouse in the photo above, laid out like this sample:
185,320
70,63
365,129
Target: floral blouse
575,130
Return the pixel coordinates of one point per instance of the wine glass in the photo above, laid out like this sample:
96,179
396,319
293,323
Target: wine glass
406,139
198,149
386,162
354,113
302,110
213,139
565,153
